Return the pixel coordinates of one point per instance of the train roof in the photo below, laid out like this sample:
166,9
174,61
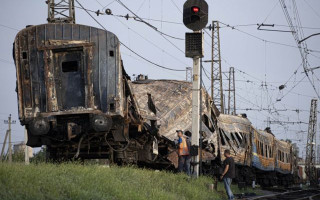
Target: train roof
173,104
65,31
283,145
234,123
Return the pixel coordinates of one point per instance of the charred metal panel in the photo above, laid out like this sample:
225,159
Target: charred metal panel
172,100
42,56
173,105
235,135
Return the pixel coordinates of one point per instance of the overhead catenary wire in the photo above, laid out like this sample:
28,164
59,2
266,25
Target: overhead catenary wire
295,33
264,40
148,24
137,54
153,44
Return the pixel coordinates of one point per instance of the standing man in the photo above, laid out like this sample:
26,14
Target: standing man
228,173
183,153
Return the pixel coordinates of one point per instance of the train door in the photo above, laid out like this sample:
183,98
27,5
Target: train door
69,78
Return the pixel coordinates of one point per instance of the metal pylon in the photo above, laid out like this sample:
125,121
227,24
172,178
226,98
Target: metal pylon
310,150
61,11
216,74
232,93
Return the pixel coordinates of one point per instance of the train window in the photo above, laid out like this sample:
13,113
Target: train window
239,137
112,107
266,150
205,120
24,55
70,66
261,146
270,152
111,53
279,154
280,158
234,139
223,142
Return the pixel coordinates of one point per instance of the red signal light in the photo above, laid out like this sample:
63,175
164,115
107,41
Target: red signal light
195,9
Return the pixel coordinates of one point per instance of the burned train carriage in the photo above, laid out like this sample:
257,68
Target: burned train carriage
258,155
74,96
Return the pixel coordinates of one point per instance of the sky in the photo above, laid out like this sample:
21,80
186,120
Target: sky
263,60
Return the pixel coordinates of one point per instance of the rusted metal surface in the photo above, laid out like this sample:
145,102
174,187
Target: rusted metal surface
263,150
283,157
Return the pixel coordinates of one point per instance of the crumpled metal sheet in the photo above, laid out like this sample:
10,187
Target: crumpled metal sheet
173,102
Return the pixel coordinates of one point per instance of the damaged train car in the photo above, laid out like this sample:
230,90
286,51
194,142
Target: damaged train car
258,155
75,97
169,103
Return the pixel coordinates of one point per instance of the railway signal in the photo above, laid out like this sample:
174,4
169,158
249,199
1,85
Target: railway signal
195,17
195,14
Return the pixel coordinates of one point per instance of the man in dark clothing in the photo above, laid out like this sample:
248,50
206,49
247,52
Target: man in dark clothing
228,173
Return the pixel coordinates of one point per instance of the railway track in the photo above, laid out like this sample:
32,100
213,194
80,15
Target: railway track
312,194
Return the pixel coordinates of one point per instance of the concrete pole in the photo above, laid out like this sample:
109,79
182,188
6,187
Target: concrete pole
26,148
196,111
4,146
10,144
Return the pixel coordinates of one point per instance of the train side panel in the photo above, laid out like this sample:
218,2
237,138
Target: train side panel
262,150
283,162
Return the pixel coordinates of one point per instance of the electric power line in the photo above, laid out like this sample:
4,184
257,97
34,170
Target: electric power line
137,54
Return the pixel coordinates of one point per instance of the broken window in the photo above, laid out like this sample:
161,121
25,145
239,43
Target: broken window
270,152
239,137
266,150
223,142
234,140
24,55
206,121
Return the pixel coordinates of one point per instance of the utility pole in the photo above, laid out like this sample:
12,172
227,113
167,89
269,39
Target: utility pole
196,110
232,93
10,144
310,151
26,148
61,11
189,74
216,73
4,145
195,17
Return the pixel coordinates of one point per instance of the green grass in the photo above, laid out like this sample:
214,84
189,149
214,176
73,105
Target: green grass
75,181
